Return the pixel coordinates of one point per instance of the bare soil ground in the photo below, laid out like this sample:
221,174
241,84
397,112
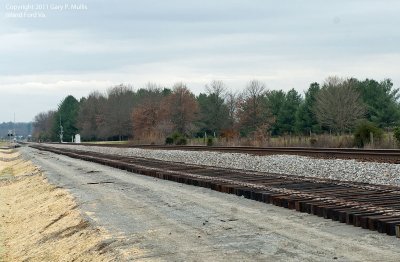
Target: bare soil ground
41,222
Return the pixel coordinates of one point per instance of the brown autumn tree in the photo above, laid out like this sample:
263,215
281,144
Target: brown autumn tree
148,117
180,108
338,104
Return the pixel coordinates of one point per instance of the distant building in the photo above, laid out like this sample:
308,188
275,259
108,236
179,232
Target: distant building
78,138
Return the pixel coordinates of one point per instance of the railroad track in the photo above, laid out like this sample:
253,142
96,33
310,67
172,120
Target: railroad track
376,155
374,207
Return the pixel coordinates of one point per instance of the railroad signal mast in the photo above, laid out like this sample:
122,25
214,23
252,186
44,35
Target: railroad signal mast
11,132
10,135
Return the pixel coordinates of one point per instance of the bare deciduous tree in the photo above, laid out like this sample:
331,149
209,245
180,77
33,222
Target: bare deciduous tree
42,126
90,117
338,104
214,111
252,110
216,87
118,111
232,100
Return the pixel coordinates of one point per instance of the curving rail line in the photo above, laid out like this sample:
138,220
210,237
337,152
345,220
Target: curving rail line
374,207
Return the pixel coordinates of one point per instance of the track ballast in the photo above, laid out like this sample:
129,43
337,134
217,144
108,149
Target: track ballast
375,155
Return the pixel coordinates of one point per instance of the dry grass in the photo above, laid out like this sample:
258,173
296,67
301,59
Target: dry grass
39,222
323,140
108,142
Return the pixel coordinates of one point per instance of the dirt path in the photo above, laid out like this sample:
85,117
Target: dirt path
161,220
40,222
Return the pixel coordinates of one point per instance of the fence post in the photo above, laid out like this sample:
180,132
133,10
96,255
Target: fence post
371,139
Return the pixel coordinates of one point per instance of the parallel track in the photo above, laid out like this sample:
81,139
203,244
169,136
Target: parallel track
376,155
374,207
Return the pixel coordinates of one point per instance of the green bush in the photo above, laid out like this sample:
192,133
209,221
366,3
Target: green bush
396,133
181,141
176,138
210,141
362,133
169,141
313,141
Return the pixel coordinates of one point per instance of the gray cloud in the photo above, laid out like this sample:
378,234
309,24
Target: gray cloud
287,44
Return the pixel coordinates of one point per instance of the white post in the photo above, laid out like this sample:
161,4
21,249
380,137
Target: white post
371,139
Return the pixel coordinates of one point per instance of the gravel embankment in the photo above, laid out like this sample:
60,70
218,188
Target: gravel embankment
345,170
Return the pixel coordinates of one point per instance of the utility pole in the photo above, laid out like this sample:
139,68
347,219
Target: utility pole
15,137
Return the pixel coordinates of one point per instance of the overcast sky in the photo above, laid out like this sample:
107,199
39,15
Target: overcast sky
287,44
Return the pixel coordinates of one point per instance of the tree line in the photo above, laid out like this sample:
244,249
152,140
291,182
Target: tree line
153,113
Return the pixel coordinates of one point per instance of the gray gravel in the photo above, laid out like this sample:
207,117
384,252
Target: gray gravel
345,170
